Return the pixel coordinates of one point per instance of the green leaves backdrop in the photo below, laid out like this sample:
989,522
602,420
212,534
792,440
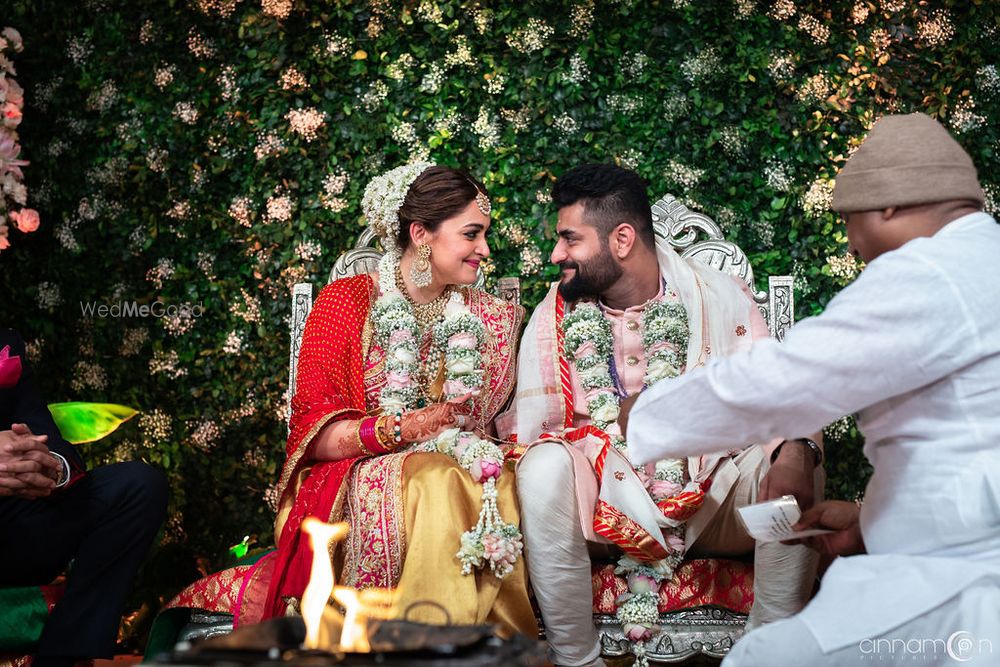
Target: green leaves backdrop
211,153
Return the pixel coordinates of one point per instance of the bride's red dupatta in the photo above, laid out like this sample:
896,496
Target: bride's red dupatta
329,387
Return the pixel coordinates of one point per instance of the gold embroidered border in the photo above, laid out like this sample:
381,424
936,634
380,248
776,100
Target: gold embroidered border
293,459
376,544
503,321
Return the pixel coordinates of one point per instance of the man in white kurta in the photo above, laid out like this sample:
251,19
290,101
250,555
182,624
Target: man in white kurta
913,347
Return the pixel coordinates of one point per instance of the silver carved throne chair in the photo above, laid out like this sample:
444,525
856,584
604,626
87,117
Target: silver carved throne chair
702,630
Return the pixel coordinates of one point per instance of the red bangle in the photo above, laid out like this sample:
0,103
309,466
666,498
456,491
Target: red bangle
366,433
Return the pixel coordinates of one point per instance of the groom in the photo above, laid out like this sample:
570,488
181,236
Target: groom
628,312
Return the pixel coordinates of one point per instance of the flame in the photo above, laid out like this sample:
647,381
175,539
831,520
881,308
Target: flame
359,606
354,636
317,593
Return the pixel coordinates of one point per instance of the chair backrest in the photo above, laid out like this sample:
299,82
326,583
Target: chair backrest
675,222
672,220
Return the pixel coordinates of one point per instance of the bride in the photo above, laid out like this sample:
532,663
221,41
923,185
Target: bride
400,376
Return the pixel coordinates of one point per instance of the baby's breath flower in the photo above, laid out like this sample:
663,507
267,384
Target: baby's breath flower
818,198
293,79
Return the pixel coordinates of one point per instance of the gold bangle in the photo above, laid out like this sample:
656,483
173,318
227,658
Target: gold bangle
383,442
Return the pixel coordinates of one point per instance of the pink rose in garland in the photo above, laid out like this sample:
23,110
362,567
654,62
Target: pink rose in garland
462,341
637,633
500,550
585,350
26,220
397,379
459,388
642,583
663,488
400,336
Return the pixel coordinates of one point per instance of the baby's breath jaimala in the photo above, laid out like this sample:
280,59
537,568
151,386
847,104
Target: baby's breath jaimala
492,541
590,344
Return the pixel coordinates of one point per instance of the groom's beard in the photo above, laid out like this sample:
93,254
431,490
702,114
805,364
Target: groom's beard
601,272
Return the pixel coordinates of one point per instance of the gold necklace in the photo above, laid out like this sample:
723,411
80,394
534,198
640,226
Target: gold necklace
428,313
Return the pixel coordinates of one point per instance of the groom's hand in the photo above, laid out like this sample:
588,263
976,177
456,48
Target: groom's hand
792,474
624,408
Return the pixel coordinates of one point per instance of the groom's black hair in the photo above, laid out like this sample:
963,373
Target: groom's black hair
610,195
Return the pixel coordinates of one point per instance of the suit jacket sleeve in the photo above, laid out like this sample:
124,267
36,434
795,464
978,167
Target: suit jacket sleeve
31,409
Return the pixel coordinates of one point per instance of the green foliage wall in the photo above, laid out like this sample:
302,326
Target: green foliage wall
214,152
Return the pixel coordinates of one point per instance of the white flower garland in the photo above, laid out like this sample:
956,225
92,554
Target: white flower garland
383,198
589,341
459,335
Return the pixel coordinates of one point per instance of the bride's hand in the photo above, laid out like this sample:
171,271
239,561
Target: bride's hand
463,407
426,423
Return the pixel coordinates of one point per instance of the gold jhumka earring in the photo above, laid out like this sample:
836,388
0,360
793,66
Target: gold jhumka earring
420,270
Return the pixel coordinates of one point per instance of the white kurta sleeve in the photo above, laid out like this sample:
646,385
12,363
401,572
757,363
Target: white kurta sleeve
900,326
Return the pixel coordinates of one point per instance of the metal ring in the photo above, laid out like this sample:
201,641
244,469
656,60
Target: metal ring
427,603
460,420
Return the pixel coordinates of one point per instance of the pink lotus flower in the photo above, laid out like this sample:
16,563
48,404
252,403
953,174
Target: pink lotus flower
661,488
397,380
675,542
642,583
477,471
11,115
487,469
26,219
637,633
584,350
462,341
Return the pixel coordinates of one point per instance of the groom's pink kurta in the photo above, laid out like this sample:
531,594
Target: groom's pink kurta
630,362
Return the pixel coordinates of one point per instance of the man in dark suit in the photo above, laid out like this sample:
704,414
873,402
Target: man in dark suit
53,511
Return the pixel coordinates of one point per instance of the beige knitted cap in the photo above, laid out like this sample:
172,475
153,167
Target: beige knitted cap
904,161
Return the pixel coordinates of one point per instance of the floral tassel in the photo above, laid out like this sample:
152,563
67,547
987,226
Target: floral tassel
491,541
